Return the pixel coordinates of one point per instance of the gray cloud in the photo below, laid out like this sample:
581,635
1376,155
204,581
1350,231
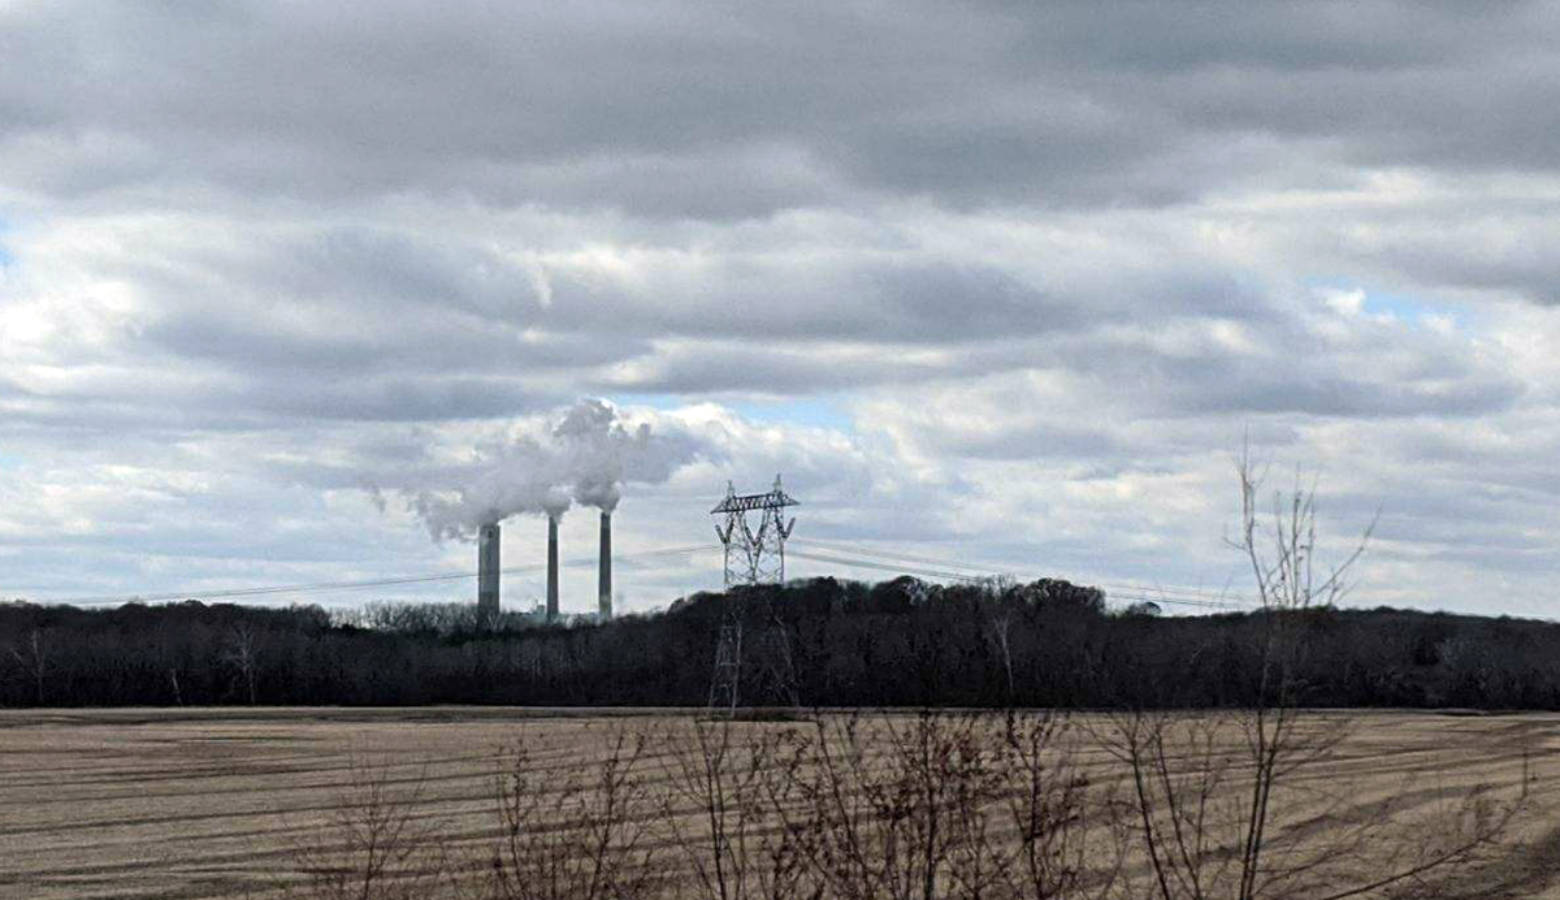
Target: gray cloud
987,104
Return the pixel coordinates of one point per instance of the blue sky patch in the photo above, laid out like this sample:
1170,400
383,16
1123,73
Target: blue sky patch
1403,307
816,412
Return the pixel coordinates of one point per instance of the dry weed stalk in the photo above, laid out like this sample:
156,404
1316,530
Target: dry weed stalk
583,835
374,847
1071,839
734,778
939,806
1195,782
882,803
967,805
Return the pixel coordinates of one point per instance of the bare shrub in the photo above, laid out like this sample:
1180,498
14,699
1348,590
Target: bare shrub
947,805
737,781
942,805
1219,810
1215,822
882,802
1070,838
1203,805
373,846
583,834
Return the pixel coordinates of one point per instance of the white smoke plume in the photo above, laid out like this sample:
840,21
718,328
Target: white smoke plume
586,459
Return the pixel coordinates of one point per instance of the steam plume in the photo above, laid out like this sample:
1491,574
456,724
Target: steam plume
586,458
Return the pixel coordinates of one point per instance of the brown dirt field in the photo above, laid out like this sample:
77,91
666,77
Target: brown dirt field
215,803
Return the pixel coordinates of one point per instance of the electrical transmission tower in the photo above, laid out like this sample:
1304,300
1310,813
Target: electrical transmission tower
728,666
753,556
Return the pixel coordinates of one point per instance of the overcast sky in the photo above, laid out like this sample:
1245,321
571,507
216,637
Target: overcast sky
1001,283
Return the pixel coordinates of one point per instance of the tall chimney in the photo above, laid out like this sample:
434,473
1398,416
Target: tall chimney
604,573
552,568
487,573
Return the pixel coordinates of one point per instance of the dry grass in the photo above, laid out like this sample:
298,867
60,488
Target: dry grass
220,803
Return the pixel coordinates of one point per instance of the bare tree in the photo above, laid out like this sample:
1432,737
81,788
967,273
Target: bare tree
1209,788
998,629
241,652
32,655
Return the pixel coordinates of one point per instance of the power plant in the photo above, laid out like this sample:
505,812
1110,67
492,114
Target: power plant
552,567
604,570
585,459
753,555
487,573
488,567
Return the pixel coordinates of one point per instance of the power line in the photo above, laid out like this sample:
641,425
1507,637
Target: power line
869,564
1227,604
840,554
326,586
840,546
1124,590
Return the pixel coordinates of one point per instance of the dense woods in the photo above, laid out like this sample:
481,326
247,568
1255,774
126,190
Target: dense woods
898,643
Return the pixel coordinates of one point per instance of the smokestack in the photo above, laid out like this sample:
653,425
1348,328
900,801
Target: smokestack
552,568
604,574
487,573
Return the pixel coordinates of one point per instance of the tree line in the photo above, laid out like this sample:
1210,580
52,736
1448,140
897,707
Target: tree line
816,642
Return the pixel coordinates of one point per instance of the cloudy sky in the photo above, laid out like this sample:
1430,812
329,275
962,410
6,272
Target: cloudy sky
1000,283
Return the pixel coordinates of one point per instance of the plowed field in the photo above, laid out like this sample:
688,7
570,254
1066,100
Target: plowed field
218,803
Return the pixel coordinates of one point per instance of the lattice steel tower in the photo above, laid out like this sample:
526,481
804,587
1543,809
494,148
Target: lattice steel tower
754,556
